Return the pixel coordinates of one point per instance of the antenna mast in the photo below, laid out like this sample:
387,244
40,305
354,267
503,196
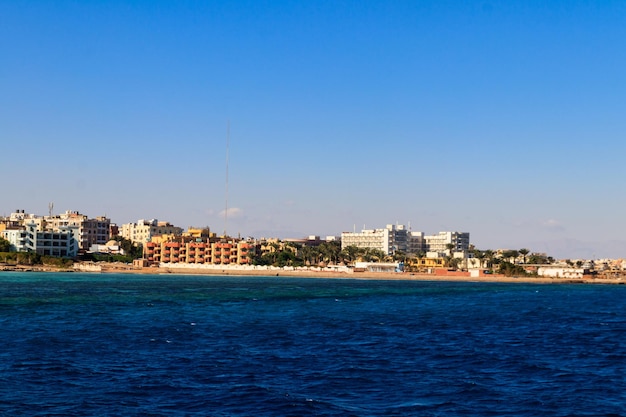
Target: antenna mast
226,194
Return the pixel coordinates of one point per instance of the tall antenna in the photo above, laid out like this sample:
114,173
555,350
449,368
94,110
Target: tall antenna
226,196
50,207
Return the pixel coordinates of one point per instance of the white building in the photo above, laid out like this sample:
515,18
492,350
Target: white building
60,243
561,272
16,238
395,238
438,244
389,240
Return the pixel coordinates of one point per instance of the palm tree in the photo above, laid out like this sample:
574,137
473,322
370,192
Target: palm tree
524,252
399,256
480,255
511,255
349,253
453,263
490,256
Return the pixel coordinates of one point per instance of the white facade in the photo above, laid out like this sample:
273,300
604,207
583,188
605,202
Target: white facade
60,243
108,249
395,238
17,239
439,243
380,266
379,239
561,272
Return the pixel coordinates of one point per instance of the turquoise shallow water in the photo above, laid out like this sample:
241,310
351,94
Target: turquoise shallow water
88,344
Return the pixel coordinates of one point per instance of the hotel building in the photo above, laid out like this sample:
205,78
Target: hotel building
395,238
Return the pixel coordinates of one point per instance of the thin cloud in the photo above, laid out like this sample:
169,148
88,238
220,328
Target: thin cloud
552,224
233,213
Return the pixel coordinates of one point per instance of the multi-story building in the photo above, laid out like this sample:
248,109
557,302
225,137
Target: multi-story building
396,238
439,243
195,252
49,235
144,230
416,242
88,231
391,239
16,236
60,243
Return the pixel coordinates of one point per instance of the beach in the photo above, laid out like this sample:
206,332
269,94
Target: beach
313,273
364,275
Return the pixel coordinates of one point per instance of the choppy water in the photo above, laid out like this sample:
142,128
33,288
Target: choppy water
119,345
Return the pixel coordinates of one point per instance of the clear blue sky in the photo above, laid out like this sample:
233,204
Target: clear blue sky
504,119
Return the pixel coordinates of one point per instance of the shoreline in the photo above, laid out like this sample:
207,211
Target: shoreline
387,276
390,276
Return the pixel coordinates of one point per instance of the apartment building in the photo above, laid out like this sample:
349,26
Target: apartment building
89,232
17,237
61,242
144,230
394,238
195,252
20,226
391,239
439,243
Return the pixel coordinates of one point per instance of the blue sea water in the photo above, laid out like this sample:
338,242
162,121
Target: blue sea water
153,345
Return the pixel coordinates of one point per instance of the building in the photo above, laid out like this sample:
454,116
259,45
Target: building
438,244
144,230
222,252
397,238
391,239
88,231
61,235
188,249
17,237
310,241
60,243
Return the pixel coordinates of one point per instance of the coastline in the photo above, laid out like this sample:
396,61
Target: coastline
324,274
391,276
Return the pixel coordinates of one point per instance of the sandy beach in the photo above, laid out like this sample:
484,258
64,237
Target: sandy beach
406,276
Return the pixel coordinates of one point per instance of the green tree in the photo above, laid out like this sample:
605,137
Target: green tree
400,256
5,246
538,259
511,270
285,258
524,252
451,262
349,254
132,250
490,256
330,251
480,255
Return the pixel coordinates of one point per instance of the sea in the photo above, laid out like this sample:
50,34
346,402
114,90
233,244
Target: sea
75,344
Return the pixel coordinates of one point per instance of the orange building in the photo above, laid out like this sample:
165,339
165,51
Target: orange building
194,252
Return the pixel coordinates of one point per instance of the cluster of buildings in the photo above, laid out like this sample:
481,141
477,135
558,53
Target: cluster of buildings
398,238
62,235
71,233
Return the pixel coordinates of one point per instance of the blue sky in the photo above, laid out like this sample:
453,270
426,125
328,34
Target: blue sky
504,119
